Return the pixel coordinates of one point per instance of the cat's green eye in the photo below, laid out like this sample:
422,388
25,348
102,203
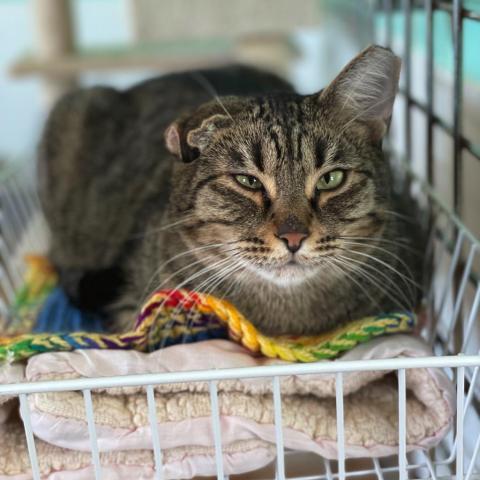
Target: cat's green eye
249,181
330,180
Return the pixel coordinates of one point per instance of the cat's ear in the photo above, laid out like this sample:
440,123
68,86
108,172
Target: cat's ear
365,90
188,139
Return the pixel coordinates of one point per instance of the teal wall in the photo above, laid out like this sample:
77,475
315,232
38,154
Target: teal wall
443,38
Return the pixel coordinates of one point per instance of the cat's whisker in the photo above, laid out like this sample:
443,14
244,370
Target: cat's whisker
385,264
402,303
236,283
241,267
147,292
213,281
228,275
192,277
237,253
190,251
401,216
206,84
176,257
163,228
208,284
384,250
200,288
335,263
399,243
221,265
358,267
404,278
398,291
359,270
174,274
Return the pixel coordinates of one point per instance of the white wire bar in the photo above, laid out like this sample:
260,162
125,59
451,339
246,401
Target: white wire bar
441,206
451,271
18,193
217,433
328,469
466,275
466,404
389,472
340,425
10,266
152,418
471,390
18,220
460,298
388,364
4,311
6,285
460,417
7,233
473,460
378,468
439,252
402,425
461,292
32,451
277,406
430,466
92,433
10,205
471,319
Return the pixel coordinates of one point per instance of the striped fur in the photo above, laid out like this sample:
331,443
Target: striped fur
164,209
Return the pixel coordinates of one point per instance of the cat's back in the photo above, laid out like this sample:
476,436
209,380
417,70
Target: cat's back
202,85
162,99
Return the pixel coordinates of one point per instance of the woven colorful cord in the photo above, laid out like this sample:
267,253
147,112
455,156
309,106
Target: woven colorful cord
179,316
328,345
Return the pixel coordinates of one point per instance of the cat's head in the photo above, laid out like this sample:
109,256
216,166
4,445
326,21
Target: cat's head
274,185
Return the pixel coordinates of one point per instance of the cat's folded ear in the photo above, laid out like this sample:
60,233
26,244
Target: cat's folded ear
365,90
189,137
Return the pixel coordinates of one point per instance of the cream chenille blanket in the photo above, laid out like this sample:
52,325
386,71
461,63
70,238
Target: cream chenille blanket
183,412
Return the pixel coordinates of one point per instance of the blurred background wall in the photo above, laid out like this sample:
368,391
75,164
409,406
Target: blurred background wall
23,102
119,42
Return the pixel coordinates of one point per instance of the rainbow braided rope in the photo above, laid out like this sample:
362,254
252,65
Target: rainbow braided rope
328,345
179,316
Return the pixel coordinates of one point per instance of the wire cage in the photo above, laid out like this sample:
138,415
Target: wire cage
452,299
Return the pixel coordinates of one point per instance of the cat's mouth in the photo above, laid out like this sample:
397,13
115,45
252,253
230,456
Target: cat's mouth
290,273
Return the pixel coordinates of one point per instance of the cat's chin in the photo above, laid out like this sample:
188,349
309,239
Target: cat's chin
287,275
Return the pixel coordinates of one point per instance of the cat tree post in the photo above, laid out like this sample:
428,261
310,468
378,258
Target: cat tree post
54,34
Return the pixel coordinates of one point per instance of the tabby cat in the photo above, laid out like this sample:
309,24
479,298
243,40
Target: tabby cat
227,181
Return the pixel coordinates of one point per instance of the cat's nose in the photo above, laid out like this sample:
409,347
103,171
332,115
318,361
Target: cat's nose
293,240
293,232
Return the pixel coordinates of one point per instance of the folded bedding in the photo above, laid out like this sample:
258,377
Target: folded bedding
47,338
246,407
56,463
